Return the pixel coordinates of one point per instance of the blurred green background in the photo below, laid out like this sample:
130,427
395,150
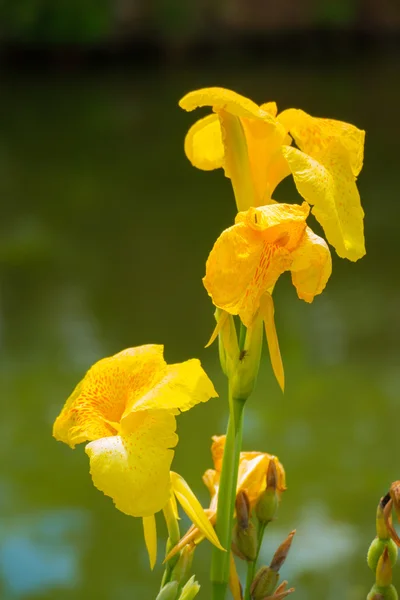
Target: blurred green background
104,234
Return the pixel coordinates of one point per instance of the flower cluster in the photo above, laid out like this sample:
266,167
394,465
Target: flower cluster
125,407
254,146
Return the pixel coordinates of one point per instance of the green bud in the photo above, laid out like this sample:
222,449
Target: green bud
267,506
169,591
379,593
264,583
181,571
246,541
244,376
376,550
268,502
245,534
228,344
190,590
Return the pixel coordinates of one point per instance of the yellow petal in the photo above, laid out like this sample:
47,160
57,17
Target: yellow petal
270,107
253,467
328,183
231,267
95,406
250,136
311,267
267,311
150,538
313,135
182,386
203,144
264,140
217,451
248,258
131,467
193,508
234,582
227,100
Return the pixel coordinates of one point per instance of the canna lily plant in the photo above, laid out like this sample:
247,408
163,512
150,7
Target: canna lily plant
125,407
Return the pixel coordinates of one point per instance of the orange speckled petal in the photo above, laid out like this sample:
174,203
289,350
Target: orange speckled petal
231,267
95,406
181,387
281,224
223,99
313,134
203,144
133,469
311,267
328,183
248,258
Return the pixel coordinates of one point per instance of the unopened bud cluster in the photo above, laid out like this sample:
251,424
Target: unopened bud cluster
382,556
248,534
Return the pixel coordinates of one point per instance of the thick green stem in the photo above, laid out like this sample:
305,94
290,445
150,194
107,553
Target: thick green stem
173,538
226,498
251,566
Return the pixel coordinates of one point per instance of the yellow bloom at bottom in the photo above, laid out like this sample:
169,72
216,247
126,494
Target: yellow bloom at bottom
252,479
125,407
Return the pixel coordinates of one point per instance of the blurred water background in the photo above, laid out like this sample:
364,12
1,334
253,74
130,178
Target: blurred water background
104,233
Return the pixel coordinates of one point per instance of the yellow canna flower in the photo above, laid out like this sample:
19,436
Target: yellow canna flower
252,474
248,258
125,406
252,479
253,145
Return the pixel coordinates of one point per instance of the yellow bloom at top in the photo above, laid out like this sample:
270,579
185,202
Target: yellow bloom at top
253,145
125,407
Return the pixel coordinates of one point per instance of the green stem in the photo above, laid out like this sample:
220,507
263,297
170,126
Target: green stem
173,538
226,498
251,566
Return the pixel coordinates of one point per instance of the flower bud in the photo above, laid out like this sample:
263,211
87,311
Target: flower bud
377,593
268,502
169,591
244,376
264,583
181,571
282,552
384,570
376,550
190,590
245,532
